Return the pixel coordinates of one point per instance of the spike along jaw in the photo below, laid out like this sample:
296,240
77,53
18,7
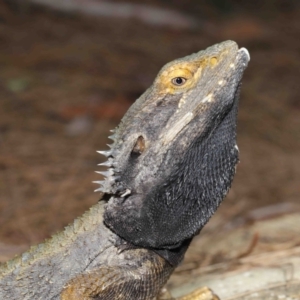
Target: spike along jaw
109,178
175,151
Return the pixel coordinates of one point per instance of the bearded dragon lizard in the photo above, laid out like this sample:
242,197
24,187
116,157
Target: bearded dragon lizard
171,164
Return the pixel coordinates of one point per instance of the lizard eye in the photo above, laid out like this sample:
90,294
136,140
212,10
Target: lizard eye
179,81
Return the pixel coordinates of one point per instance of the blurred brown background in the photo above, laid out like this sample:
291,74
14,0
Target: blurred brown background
69,73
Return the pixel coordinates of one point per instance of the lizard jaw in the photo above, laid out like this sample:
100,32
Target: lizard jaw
245,52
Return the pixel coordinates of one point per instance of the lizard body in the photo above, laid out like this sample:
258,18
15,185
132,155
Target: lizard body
171,164
84,249
83,263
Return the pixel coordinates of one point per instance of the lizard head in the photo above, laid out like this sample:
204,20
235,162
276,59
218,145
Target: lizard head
174,153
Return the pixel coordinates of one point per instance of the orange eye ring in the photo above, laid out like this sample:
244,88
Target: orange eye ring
178,81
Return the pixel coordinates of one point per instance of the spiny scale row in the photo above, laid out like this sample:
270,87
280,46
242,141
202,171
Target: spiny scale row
109,174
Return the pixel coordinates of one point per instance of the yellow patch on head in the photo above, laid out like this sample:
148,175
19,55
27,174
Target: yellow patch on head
213,61
183,76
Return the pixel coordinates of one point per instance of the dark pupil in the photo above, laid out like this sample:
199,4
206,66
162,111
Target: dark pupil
179,80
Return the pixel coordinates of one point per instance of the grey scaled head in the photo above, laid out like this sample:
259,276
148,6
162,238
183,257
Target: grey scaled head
175,153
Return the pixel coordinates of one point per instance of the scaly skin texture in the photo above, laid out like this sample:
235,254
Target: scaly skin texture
171,164
84,260
175,152
82,263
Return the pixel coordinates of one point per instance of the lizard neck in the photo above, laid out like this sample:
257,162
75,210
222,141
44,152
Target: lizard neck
84,252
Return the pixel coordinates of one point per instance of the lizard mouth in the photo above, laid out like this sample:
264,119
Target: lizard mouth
244,55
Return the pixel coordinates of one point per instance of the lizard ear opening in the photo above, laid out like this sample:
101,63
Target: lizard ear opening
139,147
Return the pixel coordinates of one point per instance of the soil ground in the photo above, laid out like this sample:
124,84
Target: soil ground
66,80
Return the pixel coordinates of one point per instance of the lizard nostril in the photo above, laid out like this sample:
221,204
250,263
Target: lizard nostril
139,146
